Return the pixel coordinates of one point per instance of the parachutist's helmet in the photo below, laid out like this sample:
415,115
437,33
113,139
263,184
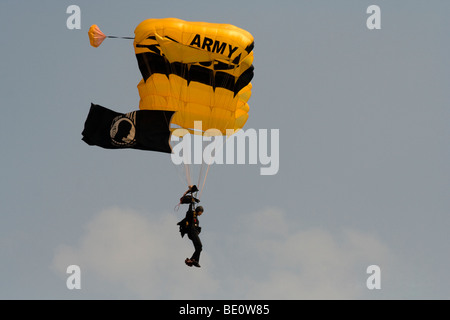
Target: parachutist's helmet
199,209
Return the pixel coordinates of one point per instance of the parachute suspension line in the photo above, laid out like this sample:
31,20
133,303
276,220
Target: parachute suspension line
204,181
116,37
200,174
187,168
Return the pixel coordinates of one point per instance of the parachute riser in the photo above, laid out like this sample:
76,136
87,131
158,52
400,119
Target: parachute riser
116,37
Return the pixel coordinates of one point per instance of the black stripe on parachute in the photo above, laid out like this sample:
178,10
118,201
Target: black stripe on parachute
150,63
250,47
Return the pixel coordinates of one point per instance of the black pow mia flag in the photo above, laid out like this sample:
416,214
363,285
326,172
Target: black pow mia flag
142,129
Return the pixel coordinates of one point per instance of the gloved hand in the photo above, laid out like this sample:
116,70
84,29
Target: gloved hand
193,188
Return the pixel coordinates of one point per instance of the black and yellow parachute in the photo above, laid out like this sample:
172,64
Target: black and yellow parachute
200,70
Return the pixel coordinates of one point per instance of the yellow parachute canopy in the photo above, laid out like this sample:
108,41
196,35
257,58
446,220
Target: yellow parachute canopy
200,70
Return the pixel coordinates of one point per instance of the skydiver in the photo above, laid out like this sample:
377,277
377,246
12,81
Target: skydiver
190,225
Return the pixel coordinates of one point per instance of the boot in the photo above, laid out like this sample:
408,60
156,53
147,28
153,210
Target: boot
188,262
195,263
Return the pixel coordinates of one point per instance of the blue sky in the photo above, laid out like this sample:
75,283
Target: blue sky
364,158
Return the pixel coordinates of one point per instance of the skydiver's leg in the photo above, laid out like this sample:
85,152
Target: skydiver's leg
197,246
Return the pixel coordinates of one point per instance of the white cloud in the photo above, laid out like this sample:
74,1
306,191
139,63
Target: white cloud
140,254
305,263
265,256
